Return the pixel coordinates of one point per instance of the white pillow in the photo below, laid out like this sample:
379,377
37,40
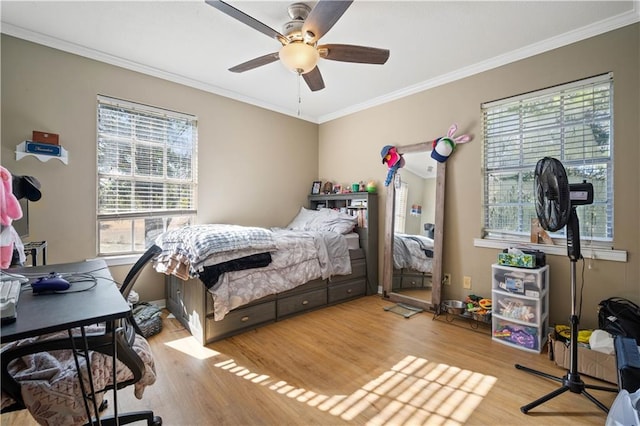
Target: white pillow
335,221
323,220
303,219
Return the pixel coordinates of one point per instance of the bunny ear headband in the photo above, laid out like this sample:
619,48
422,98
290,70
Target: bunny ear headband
443,147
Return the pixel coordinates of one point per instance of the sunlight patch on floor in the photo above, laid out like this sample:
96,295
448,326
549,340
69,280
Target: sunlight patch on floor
415,391
190,346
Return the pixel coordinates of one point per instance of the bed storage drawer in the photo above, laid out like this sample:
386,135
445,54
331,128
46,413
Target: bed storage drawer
301,302
347,290
241,319
410,278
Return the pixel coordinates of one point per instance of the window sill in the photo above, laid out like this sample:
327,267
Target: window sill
599,253
125,259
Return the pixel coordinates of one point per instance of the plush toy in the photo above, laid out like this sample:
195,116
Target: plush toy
443,147
394,161
9,210
9,206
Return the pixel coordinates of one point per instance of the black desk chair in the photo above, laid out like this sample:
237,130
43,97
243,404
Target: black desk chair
124,335
134,273
429,230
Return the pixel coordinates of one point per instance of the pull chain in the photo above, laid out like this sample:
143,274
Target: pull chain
299,95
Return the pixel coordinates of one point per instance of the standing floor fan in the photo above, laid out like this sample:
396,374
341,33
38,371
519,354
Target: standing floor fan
556,202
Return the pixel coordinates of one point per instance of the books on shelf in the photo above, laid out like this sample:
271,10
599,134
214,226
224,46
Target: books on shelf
43,148
359,204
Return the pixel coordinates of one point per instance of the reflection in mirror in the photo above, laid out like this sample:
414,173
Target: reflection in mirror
412,274
414,218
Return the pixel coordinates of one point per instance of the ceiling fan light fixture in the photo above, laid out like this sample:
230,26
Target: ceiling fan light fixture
299,57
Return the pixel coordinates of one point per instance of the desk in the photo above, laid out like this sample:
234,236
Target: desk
47,313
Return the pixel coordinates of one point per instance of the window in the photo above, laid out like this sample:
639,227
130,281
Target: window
147,174
400,218
572,123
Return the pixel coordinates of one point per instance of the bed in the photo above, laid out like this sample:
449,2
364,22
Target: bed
412,261
224,279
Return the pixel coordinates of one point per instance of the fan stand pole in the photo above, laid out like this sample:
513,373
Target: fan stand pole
571,381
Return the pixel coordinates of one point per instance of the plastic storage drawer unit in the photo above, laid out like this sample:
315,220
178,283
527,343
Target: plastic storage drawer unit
520,306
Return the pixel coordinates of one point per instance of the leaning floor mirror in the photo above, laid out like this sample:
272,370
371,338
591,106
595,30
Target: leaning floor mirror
412,269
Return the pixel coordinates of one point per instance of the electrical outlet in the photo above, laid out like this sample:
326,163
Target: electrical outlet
466,283
447,279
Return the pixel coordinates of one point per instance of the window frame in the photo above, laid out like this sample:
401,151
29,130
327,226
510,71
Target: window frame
528,99
165,215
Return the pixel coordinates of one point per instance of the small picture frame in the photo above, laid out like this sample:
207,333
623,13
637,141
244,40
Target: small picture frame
315,188
337,188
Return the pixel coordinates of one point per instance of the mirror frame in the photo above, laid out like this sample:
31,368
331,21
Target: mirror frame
436,272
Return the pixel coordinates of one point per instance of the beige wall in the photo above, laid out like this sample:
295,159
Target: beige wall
426,115
255,166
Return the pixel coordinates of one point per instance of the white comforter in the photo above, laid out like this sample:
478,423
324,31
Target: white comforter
301,256
410,252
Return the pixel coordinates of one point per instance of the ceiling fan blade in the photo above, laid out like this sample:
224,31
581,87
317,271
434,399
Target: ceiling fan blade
350,53
323,16
255,63
314,79
248,20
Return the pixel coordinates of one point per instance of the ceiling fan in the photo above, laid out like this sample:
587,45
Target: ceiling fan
300,50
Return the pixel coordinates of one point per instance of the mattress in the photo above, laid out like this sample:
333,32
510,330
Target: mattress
353,241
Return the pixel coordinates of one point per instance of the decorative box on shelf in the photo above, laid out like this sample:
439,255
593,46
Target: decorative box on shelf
45,137
42,151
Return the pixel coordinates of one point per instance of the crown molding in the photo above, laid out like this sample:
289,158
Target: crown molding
565,39
107,58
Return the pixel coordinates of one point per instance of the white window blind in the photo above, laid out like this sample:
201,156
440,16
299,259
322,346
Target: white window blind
571,122
147,173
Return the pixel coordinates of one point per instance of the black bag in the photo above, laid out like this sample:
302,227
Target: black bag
620,316
148,319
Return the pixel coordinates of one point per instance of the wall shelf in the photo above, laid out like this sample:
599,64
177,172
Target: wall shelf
21,152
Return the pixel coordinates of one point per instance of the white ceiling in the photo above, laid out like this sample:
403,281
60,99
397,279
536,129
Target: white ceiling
431,43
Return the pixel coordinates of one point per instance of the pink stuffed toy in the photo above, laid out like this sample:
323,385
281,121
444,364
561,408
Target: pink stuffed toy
9,210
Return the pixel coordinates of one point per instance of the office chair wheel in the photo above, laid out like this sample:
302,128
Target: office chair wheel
103,405
157,421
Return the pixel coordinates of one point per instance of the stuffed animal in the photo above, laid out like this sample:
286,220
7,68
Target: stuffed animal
394,161
9,210
443,147
9,207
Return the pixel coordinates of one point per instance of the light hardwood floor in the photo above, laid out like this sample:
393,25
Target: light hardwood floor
356,364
